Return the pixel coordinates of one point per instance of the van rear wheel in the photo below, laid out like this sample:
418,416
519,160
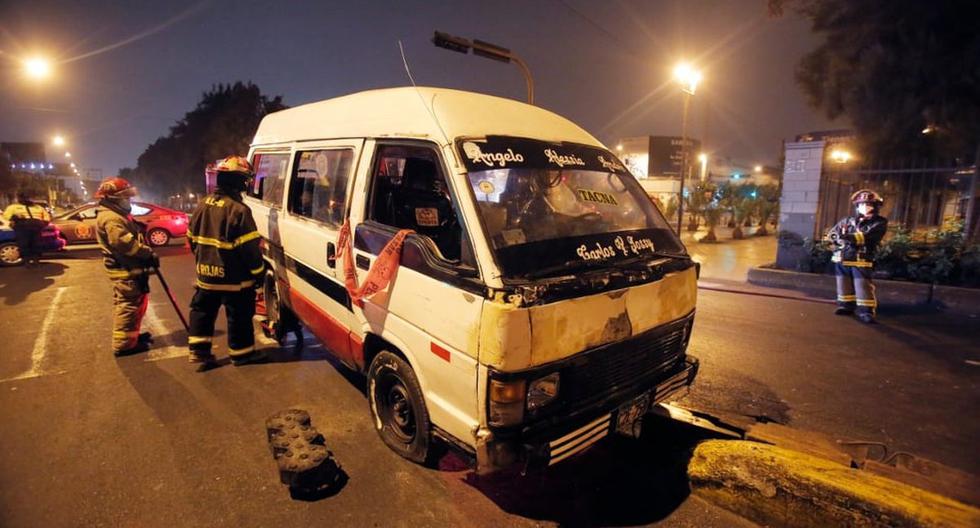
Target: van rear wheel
398,408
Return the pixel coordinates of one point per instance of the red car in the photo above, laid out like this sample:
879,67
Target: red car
162,224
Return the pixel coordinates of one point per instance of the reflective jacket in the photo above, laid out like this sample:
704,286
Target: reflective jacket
857,239
31,215
125,253
225,242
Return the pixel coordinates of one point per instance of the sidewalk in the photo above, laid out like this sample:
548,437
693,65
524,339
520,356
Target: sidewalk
729,260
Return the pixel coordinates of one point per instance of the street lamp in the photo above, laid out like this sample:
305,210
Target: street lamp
703,158
757,169
67,154
840,155
58,141
37,68
688,78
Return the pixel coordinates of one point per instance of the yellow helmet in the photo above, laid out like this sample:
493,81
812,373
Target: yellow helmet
234,164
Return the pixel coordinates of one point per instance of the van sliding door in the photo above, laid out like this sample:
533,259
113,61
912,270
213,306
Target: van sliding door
316,206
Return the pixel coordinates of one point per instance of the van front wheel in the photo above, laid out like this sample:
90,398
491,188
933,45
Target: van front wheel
397,406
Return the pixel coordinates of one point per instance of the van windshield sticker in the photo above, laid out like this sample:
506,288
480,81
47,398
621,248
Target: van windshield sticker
486,187
427,216
599,197
500,152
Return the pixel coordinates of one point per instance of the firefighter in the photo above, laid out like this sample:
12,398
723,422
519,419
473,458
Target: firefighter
27,219
229,267
128,261
856,239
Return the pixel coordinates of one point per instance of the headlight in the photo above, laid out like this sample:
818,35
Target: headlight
506,402
542,391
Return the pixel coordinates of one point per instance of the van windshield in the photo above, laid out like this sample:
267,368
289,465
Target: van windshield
561,206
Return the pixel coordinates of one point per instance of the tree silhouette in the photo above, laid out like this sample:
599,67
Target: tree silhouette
223,123
897,68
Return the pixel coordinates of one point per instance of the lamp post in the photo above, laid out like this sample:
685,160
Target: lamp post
688,78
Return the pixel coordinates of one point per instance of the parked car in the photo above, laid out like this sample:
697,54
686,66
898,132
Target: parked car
161,223
51,240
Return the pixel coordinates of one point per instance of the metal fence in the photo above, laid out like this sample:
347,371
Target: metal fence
917,197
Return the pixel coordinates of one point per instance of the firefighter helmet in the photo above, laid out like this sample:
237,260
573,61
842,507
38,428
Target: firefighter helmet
234,164
115,188
866,196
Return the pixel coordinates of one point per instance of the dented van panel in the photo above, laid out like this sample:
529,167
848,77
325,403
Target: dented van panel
514,338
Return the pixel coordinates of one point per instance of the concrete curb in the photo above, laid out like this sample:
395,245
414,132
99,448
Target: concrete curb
890,293
778,487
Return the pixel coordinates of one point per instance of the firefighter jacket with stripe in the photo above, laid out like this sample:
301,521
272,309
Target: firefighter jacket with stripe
26,215
225,242
857,239
124,251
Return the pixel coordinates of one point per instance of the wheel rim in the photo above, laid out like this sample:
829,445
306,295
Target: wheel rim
158,237
9,254
396,408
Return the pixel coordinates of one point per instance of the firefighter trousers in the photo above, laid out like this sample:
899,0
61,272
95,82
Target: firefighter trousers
855,289
239,309
130,297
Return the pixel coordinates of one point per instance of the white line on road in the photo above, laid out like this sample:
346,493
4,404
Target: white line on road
41,343
157,328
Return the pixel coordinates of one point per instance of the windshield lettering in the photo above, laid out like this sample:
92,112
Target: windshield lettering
599,253
561,160
490,159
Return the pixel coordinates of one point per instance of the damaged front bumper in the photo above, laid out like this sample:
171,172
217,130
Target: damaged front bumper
542,444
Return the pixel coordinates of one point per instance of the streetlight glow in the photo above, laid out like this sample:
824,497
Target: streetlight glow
687,76
757,168
840,155
67,154
58,141
37,68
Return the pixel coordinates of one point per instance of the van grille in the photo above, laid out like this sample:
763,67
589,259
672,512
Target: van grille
636,362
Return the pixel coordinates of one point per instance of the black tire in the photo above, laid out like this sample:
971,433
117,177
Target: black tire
398,407
158,237
10,254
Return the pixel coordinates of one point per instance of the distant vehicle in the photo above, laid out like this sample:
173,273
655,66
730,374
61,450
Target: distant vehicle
162,224
51,240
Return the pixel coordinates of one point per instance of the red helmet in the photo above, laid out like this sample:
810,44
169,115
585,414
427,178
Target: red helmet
866,196
115,188
234,164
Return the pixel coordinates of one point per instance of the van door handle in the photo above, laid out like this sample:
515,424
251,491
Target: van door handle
363,262
331,254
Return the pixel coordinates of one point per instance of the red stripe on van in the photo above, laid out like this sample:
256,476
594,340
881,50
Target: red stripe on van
331,332
439,351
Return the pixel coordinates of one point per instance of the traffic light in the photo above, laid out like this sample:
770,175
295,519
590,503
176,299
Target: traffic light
450,42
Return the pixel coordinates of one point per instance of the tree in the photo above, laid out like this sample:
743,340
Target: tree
896,68
223,123
768,196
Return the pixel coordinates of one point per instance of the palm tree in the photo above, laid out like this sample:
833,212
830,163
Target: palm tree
712,215
743,208
768,206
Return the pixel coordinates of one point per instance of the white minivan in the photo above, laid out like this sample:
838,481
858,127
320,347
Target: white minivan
540,303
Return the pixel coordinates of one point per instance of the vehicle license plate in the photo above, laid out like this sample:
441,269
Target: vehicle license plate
629,417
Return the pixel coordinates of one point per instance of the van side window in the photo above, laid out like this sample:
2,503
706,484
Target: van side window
410,192
270,177
318,189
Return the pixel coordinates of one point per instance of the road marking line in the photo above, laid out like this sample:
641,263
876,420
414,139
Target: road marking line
157,328
41,343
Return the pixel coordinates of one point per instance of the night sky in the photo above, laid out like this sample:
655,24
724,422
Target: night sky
604,64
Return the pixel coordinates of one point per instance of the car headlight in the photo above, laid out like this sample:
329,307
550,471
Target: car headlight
506,402
542,391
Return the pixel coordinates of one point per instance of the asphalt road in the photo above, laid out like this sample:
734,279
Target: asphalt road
145,441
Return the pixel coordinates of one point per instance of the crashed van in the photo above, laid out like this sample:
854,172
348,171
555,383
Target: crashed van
500,278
